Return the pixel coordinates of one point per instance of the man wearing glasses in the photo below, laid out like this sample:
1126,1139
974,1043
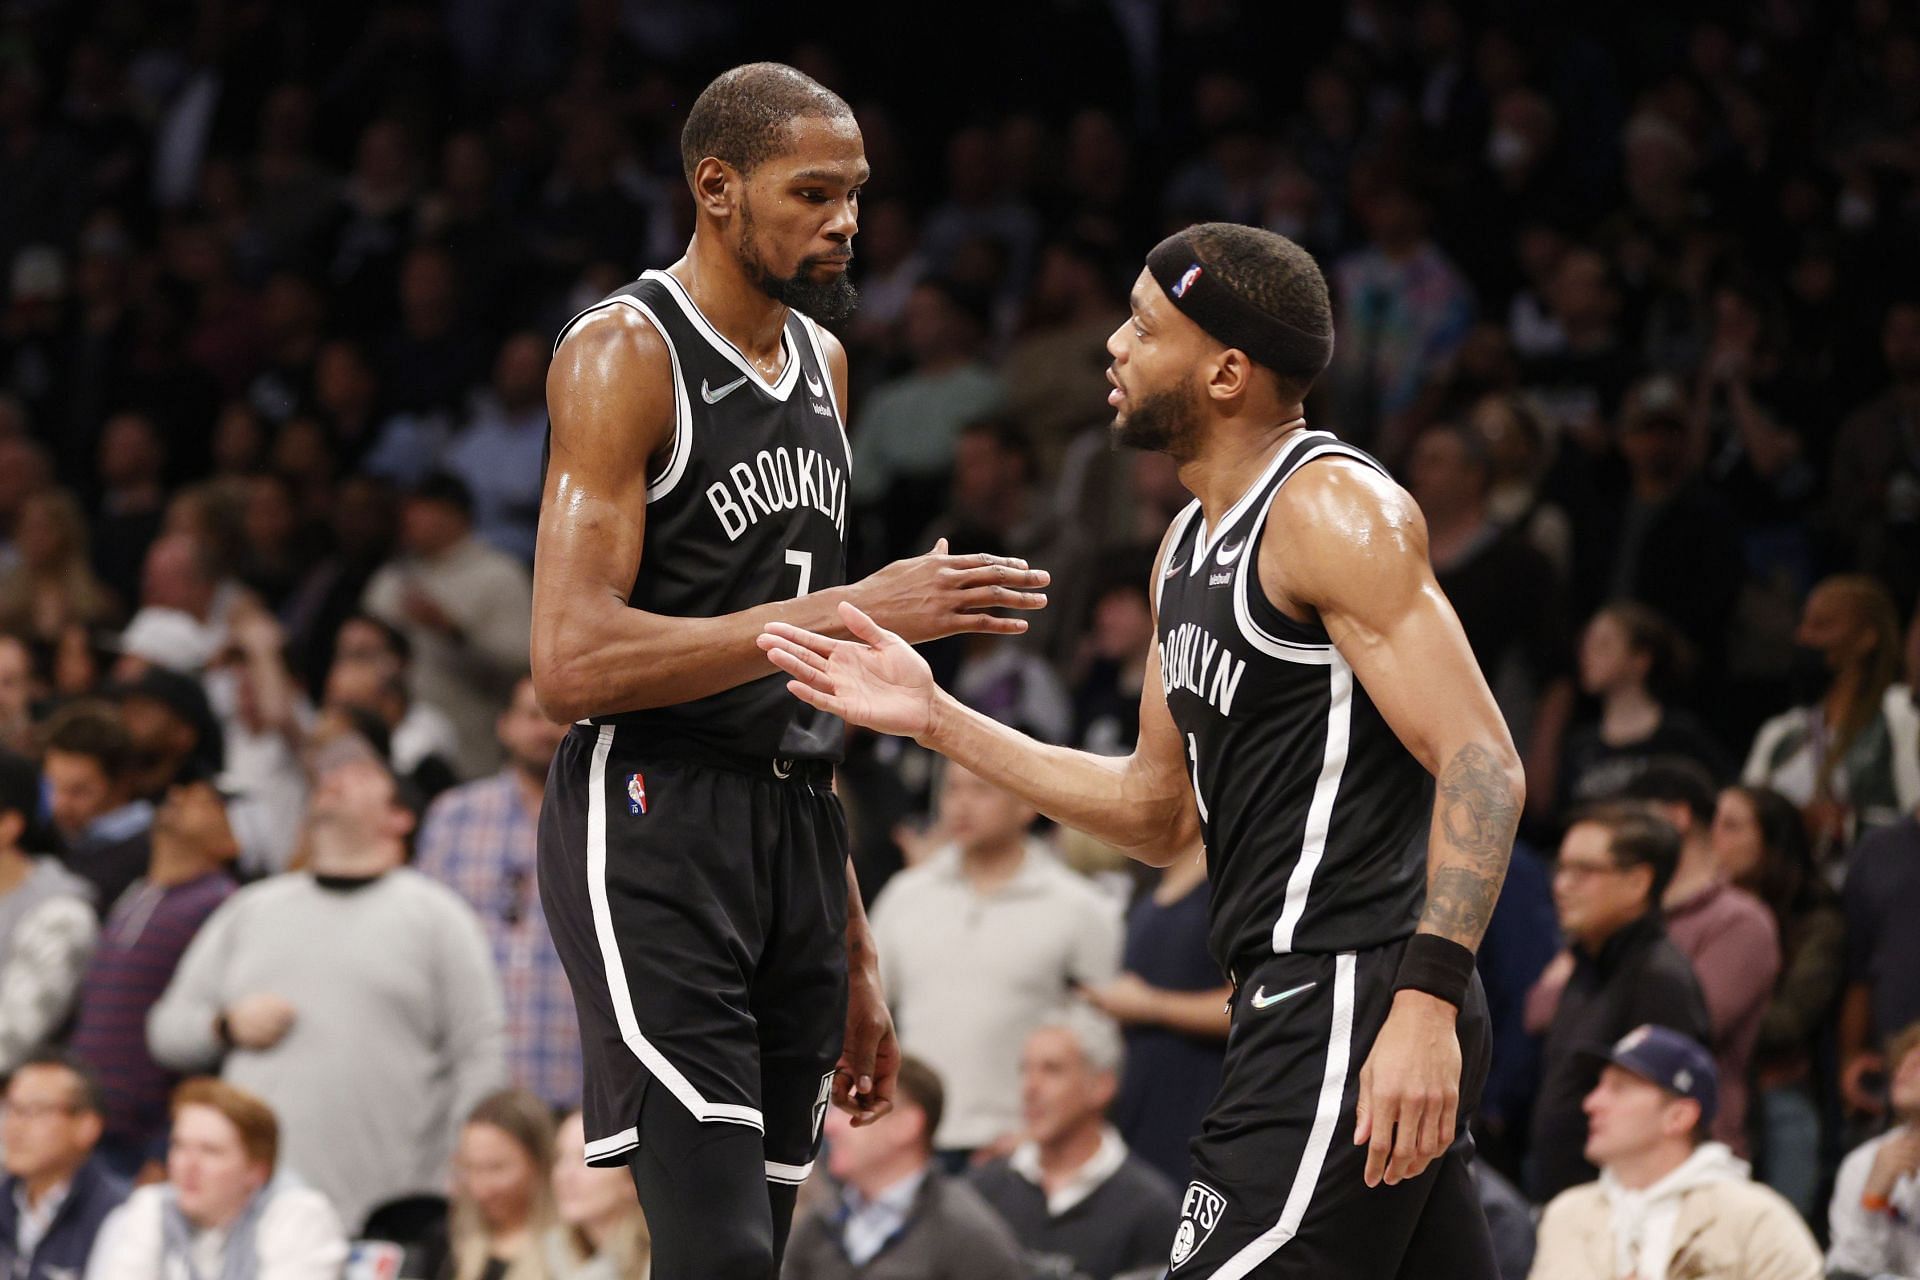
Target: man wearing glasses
1620,971
55,1196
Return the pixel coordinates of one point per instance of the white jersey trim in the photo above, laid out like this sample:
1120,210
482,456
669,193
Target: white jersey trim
650,1057
1326,790
1210,538
789,1175
781,388
1181,523
660,485
614,1144
826,376
1326,1115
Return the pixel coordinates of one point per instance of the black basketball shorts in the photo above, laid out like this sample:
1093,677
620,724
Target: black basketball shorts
1278,1188
699,906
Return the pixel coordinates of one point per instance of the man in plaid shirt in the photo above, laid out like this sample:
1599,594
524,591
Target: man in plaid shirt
478,840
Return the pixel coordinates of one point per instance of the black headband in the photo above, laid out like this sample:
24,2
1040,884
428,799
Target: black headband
1229,318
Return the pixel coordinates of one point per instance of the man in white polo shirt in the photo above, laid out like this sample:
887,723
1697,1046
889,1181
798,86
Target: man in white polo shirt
979,945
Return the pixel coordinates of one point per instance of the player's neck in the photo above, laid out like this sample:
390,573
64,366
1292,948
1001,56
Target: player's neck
1231,459
733,304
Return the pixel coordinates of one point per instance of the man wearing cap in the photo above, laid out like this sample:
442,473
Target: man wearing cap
1669,1204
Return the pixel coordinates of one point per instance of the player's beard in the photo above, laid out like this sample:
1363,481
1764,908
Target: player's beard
830,302
1165,422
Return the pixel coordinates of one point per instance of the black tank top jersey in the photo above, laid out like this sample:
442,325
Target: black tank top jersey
748,505
1315,814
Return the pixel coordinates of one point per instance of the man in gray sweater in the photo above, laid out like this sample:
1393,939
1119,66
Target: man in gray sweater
357,997
891,1214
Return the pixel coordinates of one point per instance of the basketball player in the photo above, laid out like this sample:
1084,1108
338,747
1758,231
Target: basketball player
1306,678
693,860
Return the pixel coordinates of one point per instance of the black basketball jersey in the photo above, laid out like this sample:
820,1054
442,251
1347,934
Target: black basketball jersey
1315,814
748,505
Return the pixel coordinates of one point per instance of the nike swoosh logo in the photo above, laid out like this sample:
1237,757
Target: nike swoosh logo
715,397
814,386
1172,569
1229,552
1262,1000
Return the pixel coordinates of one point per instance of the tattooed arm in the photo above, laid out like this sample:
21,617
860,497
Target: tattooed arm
1350,547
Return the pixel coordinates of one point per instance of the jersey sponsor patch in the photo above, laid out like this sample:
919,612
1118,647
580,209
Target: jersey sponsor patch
636,794
1200,1212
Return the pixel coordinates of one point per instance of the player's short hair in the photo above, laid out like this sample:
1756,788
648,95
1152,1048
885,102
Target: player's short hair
1097,1035
919,1084
1637,836
742,117
1274,275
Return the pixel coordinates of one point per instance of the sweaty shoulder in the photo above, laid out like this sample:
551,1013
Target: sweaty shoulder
611,375
1337,526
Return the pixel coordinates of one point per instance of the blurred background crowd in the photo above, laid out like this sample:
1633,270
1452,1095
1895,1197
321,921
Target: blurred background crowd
1628,297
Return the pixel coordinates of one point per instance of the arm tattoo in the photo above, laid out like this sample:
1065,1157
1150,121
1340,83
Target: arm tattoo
1474,817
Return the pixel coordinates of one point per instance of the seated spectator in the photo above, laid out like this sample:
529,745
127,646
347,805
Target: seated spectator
1726,934
601,1233
1835,757
47,927
1111,667
423,734
978,944
1668,1202
1631,660
170,724
502,1197
894,1214
187,876
52,585
1882,901
89,780
1760,844
499,452
1875,1214
221,1211
478,840
1521,940
1170,1000
1621,971
1078,1201
56,1194
357,995
466,610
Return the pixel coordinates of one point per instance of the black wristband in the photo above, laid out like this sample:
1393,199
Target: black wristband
1438,966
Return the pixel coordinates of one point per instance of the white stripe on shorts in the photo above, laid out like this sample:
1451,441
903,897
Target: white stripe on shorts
651,1058
1333,1087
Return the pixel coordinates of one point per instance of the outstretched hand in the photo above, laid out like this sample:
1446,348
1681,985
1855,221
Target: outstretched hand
940,594
874,680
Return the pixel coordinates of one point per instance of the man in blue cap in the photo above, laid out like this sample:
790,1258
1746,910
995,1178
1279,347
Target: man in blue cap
1669,1203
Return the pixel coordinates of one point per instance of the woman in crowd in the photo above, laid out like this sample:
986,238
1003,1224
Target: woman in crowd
601,1234
502,1200
1761,845
221,1214
1630,659
1848,758
53,586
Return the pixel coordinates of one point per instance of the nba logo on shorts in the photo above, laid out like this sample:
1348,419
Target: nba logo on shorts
1200,1212
1185,282
636,793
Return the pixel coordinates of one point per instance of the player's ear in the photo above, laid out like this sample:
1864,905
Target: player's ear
1228,375
716,187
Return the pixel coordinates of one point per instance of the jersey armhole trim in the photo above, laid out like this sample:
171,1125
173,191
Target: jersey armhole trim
1178,530
662,483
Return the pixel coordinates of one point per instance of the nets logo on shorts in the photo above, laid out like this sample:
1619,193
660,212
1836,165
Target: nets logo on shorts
636,794
1200,1212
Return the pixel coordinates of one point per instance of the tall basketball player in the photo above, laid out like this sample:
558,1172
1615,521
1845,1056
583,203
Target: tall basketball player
1307,682
693,860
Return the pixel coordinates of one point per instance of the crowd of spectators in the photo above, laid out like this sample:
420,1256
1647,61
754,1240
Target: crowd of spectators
1627,296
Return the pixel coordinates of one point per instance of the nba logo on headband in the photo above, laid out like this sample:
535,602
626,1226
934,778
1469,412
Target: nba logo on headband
1186,280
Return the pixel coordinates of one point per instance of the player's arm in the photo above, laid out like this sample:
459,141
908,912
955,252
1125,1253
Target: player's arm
610,401
1141,804
1373,588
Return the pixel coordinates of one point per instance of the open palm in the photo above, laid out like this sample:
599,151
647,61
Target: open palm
875,680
